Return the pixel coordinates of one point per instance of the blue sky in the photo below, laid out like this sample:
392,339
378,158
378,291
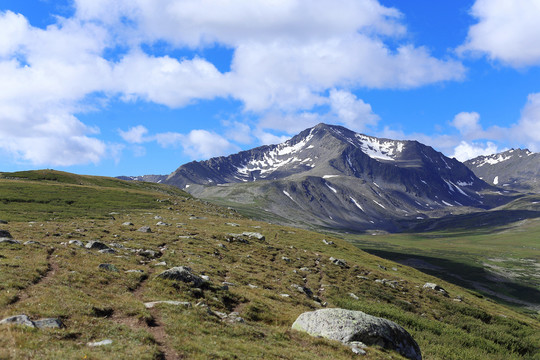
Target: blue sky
132,87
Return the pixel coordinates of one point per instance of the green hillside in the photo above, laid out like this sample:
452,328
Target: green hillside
258,279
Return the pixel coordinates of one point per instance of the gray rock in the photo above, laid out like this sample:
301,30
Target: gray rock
286,259
76,243
96,245
350,326
232,224
150,254
100,343
182,273
24,320
9,241
107,251
161,223
255,235
5,234
3,222
49,323
435,287
135,271
127,223
145,229
32,242
354,296
108,267
18,320
150,305
163,263
302,289
338,262
328,242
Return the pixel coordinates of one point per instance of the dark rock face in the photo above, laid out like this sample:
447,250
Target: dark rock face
5,234
353,327
515,169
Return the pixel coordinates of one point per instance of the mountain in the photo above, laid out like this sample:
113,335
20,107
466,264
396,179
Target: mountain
514,169
329,176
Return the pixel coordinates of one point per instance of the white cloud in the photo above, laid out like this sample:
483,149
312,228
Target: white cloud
135,135
354,113
528,128
199,144
506,31
465,151
467,123
287,55
238,132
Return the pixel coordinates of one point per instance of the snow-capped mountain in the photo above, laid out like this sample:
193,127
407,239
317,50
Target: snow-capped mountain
330,176
514,169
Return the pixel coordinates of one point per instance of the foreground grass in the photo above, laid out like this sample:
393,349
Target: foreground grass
56,279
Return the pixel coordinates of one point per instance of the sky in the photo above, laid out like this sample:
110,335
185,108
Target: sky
134,87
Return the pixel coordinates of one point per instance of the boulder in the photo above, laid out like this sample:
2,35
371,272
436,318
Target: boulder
354,327
145,229
182,273
18,320
49,323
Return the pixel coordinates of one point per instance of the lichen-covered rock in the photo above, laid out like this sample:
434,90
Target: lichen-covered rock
18,320
350,327
145,229
182,273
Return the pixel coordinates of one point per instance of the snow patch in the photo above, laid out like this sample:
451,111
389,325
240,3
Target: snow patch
496,180
288,195
356,203
329,176
331,188
447,204
381,205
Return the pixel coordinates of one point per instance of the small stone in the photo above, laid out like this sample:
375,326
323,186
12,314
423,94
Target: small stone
285,295
108,267
96,245
150,305
328,242
49,323
31,242
9,241
338,262
76,243
255,235
127,223
3,222
135,271
286,259
205,277
161,223
107,251
435,287
100,343
150,254
253,286
354,296
157,217
145,229
232,224
18,320
163,263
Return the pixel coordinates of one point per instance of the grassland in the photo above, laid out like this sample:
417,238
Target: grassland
56,279
499,261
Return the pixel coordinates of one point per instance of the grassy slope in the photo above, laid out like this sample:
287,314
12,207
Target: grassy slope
56,280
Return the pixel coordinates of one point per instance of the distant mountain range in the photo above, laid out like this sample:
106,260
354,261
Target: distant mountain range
514,169
331,177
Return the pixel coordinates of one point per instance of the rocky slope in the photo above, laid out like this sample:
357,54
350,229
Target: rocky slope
514,169
329,176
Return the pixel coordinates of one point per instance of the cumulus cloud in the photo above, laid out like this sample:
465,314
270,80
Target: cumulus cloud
287,58
506,31
467,123
528,127
199,144
465,151
135,135
352,112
